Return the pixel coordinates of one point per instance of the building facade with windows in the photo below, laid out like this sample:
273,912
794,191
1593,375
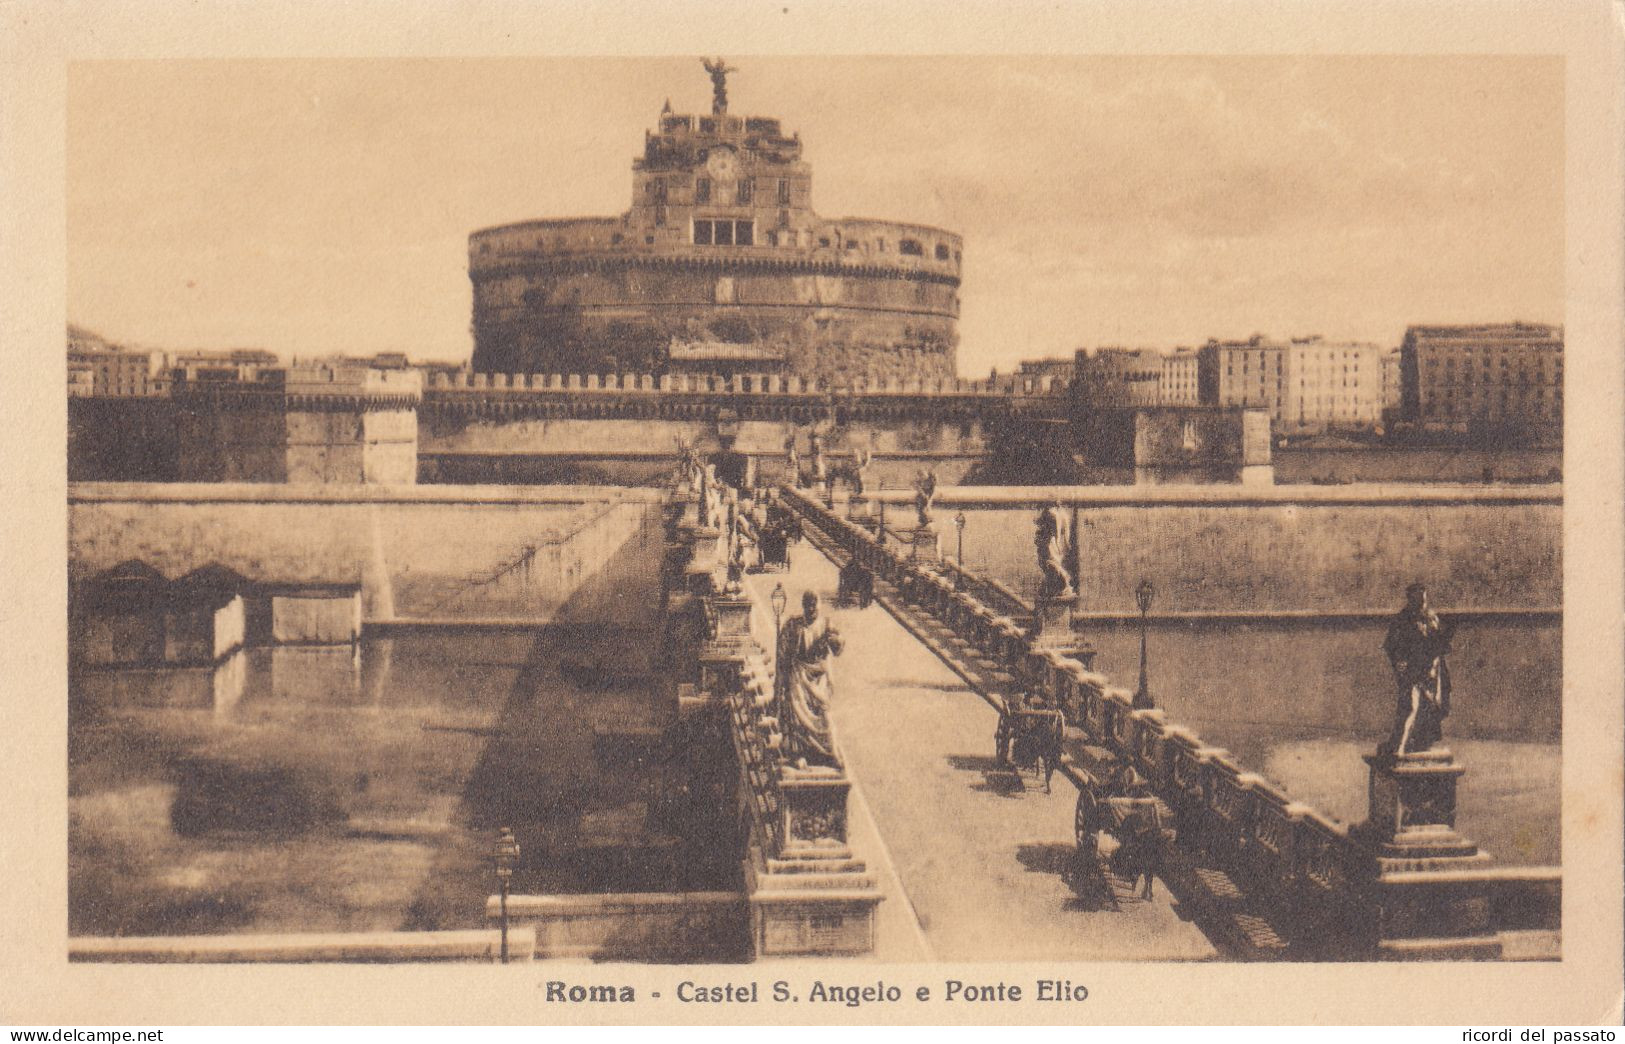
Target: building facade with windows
1111,377
1331,385
226,364
118,372
1390,386
1307,384
1491,375
1243,373
720,246
1181,380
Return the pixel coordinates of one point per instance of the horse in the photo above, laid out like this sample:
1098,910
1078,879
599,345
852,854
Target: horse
856,585
1139,852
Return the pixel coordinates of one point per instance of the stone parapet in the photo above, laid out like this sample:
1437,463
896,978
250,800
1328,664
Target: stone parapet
328,947
809,892
639,926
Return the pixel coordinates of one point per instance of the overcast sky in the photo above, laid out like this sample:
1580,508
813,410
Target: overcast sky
319,206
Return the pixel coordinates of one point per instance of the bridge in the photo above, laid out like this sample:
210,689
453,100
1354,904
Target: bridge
921,846
987,869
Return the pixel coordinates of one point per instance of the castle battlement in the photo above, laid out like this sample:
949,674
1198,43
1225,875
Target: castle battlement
769,384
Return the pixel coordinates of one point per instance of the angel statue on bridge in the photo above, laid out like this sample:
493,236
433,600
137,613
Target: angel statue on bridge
925,491
792,461
688,465
820,463
861,459
807,644
1416,645
1053,542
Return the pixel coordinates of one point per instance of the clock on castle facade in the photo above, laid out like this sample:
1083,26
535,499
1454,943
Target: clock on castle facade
719,265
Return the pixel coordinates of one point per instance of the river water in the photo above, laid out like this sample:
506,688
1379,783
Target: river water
303,789
309,789
1299,701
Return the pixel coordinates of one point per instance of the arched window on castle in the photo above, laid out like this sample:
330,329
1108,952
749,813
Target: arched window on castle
910,247
747,190
942,252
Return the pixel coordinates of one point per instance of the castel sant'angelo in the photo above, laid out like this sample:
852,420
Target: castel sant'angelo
721,265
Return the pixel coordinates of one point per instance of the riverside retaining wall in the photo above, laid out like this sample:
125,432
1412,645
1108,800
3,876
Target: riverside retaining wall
1283,549
454,554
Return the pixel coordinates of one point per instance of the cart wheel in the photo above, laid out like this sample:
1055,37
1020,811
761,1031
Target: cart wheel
1084,819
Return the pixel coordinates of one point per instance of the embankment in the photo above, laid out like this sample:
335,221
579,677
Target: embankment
1274,550
454,554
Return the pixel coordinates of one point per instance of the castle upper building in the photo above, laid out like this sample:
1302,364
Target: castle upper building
720,265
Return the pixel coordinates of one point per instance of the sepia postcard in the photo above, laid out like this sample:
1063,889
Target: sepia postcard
892,514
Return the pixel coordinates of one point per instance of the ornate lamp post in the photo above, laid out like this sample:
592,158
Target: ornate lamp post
778,598
1142,598
959,524
881,532
506,855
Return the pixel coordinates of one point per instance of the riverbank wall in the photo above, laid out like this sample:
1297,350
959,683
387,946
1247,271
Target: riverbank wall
1280,550
464,554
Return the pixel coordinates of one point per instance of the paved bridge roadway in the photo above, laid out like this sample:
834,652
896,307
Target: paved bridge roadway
980,861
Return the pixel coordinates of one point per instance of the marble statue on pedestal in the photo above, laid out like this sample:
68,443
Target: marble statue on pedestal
792,463
925,492
820,465
1416,645
860,464
807,644
1052,542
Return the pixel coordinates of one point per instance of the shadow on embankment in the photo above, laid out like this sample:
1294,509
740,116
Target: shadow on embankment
587,765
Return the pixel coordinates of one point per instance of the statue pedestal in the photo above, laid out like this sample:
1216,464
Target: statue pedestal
1412,800
1052,624
1431,891
812,896
688,503
732,618
724,654
813,812
926,547
704,563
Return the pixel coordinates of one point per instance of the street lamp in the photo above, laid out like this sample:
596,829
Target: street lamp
1142,598
778,598
506,855
881,532
959,524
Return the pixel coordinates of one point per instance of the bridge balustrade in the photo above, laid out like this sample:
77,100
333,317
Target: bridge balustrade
1149,737
1229,809
1305,862
1269,857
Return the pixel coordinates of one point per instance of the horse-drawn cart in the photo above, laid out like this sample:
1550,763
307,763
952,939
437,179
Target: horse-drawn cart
1122,807
1029,738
